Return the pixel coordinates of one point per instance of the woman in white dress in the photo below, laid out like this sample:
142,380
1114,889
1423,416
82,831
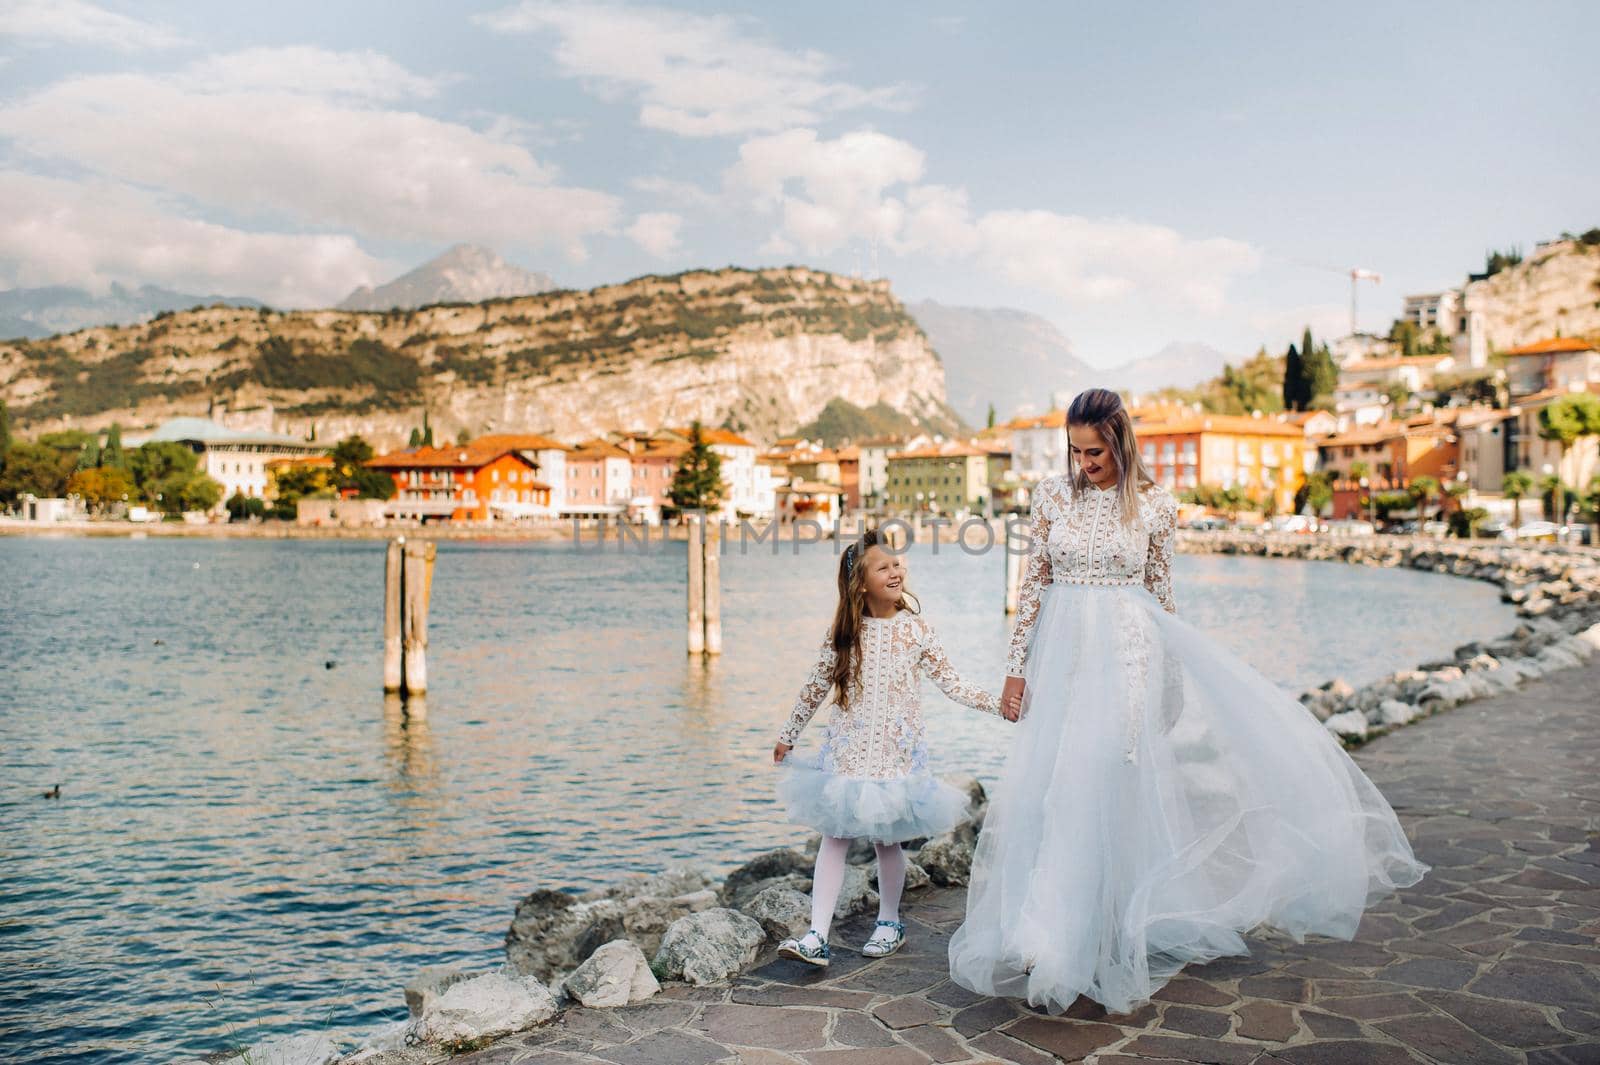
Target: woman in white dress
1161,796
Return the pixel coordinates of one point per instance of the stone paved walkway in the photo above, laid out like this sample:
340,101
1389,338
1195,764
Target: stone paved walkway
1492,959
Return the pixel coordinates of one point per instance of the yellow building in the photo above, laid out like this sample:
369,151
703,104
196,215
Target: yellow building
947,478
1261,456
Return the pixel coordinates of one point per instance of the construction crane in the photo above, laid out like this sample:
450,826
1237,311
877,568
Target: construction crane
1357,274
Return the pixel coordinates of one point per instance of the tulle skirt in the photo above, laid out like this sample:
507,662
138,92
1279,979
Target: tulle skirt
1160,797
890,810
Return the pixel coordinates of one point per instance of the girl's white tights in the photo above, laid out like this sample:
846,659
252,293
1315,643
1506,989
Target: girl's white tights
828,877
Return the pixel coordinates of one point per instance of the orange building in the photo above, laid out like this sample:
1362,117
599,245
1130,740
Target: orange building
1263,457
468,482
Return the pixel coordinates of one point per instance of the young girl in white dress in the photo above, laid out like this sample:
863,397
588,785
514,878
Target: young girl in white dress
1160,796
871,778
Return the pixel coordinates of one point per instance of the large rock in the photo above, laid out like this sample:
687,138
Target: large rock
761,871
431,980
484,1007
916,877
1393,713
707,947
614,975
553,932
1351,724
782,912
947,859
310,1049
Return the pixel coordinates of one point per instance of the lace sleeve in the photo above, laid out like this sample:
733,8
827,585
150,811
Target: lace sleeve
813,693
1158,563
1035,574
937,665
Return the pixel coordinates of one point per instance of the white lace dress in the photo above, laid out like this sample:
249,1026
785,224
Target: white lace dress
871,779
1160,796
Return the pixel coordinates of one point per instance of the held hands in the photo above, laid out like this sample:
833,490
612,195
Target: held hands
780,751
1011,698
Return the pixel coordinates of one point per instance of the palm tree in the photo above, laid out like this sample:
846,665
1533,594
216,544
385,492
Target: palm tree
1515,485
1360,471
1551,488
1457,490
1424,490
1566,421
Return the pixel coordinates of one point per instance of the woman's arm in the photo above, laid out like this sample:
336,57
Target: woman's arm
812,694
1158,562
937,665
1035,574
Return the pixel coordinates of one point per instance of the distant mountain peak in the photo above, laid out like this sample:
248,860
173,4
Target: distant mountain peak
463,273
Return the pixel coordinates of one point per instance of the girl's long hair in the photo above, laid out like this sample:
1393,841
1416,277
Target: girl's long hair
1102,410
847,618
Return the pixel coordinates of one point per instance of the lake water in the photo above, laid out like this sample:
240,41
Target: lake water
248,840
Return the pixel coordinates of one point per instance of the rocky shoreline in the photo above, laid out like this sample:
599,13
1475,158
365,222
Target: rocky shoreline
619,945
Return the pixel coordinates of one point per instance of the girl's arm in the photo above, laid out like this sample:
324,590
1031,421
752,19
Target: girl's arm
1158,561
1035,574
937,665
812,694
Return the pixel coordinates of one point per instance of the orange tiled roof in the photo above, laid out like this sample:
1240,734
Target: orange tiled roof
940,451
520,441
1051,419
463,456
852,453
1237,424
1372,434
713,435
1393,361
597,448
1553,346
300,460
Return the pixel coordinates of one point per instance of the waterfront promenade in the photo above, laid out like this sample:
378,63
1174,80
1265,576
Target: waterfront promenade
1493,958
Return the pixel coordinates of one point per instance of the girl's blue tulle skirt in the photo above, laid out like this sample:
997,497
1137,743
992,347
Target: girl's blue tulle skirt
889,810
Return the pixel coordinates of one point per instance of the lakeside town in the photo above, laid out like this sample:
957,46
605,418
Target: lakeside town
1427,429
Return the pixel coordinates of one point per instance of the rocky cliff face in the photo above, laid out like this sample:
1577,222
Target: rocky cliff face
464,273
1555,292
758,351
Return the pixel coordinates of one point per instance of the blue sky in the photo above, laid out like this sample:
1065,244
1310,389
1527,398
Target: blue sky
1138,174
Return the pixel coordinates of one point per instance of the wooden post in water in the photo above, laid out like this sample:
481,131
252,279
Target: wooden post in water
712,577
697,585
393,675
1014,565
416,593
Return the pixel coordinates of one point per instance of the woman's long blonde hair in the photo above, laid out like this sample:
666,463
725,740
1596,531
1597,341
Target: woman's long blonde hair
1102,410
852,607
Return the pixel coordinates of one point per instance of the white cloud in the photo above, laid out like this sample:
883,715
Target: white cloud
1282,326
1098,260
827,193
78,22
309,145
682,193
89,234
308,71
656,232
694,75
866,186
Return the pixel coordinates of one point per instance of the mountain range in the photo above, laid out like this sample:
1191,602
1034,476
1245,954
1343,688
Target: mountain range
42,312
1019,361
465,273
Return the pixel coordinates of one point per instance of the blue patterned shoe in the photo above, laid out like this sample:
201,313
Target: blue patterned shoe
881,945
810,948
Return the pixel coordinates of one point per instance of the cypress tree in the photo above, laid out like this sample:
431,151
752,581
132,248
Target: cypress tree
1293,380
113,455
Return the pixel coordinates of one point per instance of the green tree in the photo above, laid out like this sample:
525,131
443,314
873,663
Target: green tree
1294,380
113,455
1322,373
1316,492
298,482
990,422
5,433
101,486
34,469
1424,490
415,439
1515,485
1457,491
1361,471
242,507
1567,420
697,482
350,471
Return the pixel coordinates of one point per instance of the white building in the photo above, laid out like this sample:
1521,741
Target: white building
1038,445
235,458
1433,310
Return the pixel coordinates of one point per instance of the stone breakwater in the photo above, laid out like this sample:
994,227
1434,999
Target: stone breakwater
617,946
1556,591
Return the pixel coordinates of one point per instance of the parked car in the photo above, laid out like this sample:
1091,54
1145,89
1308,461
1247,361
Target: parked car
1540,530
1403,528
1292,523
1208,523
1350,527
1494,529
1435,528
